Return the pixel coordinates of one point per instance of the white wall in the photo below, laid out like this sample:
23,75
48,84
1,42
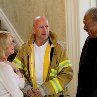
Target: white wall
84,5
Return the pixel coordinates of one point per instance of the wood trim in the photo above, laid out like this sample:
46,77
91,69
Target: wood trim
9,27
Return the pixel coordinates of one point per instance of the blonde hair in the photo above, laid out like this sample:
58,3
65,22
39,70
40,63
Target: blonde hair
4,43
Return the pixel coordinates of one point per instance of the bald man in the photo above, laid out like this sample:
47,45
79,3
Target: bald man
44,63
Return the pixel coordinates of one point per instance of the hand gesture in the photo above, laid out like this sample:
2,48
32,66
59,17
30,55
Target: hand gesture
38,93
30,93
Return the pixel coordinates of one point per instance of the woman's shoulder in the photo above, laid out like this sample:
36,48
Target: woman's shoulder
4,66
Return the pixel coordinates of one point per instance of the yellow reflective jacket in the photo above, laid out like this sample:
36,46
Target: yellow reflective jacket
57,73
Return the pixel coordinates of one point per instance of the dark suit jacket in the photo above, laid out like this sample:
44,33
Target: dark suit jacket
87,77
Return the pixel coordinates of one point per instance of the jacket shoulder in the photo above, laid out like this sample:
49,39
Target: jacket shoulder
61,45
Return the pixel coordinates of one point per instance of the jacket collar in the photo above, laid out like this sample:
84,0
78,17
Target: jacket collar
52,38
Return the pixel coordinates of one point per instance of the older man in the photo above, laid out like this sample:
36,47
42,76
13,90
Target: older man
87,77
44,62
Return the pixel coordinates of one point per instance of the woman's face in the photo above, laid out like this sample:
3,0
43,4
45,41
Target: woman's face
10,47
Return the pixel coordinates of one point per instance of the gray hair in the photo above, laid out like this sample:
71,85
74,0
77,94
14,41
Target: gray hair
93,13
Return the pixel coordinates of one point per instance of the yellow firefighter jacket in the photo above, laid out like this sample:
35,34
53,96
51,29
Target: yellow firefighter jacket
57,71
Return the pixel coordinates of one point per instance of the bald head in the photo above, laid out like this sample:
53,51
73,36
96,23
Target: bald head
39,19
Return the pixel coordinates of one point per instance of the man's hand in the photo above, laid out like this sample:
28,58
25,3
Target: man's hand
30,93
38,93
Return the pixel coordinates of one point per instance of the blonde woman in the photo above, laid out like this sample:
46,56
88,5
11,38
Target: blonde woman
11,80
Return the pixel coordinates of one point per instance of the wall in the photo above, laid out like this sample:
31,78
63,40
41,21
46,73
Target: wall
6,24
21,13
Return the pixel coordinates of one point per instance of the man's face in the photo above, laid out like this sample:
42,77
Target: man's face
90,26
41,29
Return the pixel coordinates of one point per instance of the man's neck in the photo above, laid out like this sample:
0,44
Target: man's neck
40,43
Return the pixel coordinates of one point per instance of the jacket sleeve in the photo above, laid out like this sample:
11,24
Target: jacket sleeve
61,73
20,57
22,65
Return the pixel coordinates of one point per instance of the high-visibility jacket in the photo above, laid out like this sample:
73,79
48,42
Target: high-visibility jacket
57,67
